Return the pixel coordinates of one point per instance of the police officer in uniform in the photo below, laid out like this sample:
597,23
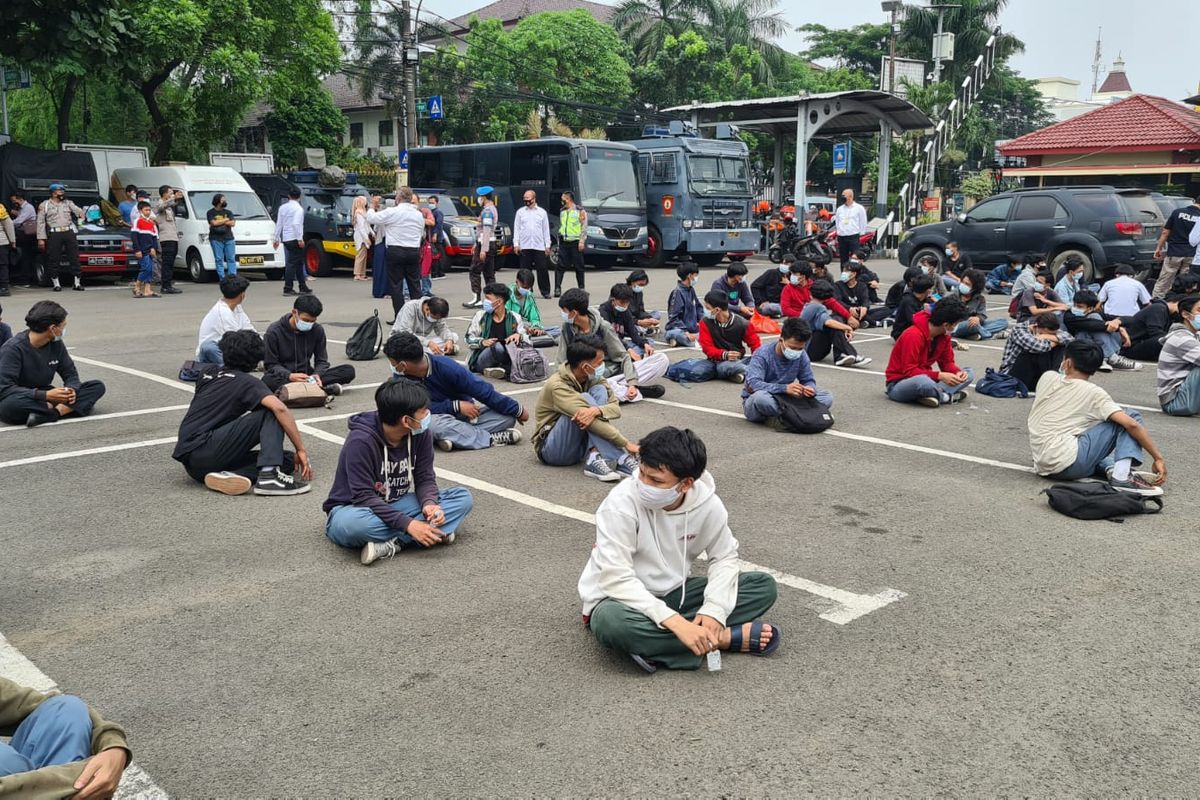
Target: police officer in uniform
572,222
168,235
483,257
56,235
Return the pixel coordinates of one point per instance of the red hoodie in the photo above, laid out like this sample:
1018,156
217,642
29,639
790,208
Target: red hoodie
916,351
794,298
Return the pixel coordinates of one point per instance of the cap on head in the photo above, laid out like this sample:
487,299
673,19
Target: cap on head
54,187
483,191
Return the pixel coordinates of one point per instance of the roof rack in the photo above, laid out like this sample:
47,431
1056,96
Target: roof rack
1023,189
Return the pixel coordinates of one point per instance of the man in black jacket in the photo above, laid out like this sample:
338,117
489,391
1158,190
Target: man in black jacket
768,287
296,350
28,363
618,312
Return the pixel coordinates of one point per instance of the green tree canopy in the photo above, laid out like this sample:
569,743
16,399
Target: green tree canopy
859,49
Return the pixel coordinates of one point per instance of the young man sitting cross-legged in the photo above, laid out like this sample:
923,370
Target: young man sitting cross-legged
296,350
231,414
575,412
829,331
1077,431
910,376
727,340
629,379
781,368
637,596
468,412
385,496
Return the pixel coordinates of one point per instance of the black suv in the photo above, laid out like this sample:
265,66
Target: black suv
1102,225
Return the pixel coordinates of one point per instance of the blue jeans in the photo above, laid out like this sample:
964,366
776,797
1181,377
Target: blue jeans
567,445
994,287
210,353
770,309
354,526
1100,446
146,267
759,406
225,252
987,330
699,370
679,336
1110,343
467,435
1186,402
427,286
59,731
912,389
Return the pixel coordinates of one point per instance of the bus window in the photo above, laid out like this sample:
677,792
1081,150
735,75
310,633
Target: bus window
529,167
491,165
663,168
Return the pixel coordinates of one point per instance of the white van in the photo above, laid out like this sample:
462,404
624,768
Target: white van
254,231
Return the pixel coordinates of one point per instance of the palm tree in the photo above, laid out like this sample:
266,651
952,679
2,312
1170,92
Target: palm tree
646,23
972,24
754,24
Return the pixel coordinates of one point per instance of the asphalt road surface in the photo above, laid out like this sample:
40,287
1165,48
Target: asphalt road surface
945,633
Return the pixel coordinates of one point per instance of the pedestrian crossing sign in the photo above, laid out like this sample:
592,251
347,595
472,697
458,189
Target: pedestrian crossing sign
435,107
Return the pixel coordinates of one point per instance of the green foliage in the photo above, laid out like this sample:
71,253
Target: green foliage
978,185
646,24
688,68
306,117
859,49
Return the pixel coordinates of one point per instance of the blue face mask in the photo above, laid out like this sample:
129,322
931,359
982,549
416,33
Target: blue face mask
792,355
488,305
709,314
784,268
423,422
620,309
1038,288
566,317
599,372
964,288
638,288
844,277
303,326
1078,312
521,290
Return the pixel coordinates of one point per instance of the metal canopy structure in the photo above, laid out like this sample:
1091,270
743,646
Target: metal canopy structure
850,113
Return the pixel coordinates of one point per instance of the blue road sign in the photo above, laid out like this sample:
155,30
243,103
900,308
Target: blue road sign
435,107
841,158
404,159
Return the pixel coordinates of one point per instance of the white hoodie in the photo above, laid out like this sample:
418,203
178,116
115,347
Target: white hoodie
642,554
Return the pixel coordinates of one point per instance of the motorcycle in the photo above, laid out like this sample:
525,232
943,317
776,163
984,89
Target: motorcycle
866,242
788,238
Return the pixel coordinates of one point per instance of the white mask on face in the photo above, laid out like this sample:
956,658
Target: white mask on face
655,498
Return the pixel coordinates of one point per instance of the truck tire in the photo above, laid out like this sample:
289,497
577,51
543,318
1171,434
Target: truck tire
1089,266
926,251
655,257
196,269
316,260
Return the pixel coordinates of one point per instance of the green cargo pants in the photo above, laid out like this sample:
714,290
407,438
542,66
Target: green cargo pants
623,629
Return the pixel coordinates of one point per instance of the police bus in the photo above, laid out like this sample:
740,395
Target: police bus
602,176
699,194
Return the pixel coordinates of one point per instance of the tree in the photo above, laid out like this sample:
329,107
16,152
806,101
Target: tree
859,49
646,24
691,68
971,21
753,24
306,117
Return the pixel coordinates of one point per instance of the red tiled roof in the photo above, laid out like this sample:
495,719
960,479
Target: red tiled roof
1115,82
1138,122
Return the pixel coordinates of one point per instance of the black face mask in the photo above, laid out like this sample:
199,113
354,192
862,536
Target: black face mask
528,202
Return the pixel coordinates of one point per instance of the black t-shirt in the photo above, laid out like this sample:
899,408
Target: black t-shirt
959,267
223,233
222,395
1180,225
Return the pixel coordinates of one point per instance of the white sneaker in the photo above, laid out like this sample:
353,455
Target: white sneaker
228,483
373,551
1106,367
860,361
843,361
445,445
496,373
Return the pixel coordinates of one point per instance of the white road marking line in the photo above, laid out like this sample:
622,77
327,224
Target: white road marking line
135,783
849,606
174,384
89,452
97,417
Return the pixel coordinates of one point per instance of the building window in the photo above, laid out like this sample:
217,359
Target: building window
356,134
386,137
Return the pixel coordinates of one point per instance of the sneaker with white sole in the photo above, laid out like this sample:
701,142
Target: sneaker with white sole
860,361
1105,367
738,377
229,483
843,361
1001,334
1136,485
508,436
496,373
929,402
1118,361
333,389
373,551
279,484
445,445
959,345
599,469
958,397
627,464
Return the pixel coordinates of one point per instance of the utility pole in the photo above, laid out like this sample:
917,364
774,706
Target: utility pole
892,6
409,50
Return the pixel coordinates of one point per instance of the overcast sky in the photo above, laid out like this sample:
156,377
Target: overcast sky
1159,44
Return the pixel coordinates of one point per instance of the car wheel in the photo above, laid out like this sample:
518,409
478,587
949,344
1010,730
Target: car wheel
654,257
273,274
926,251
553,257
316,260
1060,258
39,272
196,268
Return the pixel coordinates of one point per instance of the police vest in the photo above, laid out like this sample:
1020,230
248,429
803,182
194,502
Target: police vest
570,227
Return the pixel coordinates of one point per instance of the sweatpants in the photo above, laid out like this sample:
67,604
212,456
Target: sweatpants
467,435
761,406
494,356
277,376
354,526
1029,367
567,444
16,408
912,389
404,272
231,448
1186,402
1100,446
826,339
699,370
570,257
648,370
626,630
59,731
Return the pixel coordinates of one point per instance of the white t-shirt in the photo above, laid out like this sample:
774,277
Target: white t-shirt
1123,296
221,319
851,220
1064,408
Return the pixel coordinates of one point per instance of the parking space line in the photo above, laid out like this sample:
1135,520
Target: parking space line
135,783
150,376
98,417
847,606
91,451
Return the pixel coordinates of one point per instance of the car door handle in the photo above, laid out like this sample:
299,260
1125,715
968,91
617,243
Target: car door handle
1059,228
999,230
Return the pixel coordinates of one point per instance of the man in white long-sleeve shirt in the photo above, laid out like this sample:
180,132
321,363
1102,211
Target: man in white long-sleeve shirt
226,315
289,231
637,596
851,221
403,227
531,240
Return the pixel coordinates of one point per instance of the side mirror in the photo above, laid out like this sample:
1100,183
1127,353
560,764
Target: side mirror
961,218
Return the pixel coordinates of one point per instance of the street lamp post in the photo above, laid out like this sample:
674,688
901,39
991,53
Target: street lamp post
892,7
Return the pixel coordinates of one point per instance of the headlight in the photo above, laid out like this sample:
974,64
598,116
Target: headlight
687,224
461,232
595,230
698,223
642,231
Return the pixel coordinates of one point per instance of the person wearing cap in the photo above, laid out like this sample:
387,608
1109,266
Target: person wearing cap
168,235
483,258
56,235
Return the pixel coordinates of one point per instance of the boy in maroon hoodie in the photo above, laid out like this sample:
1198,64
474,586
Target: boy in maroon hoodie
910,375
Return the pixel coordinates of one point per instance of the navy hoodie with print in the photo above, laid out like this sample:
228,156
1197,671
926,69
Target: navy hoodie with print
372,475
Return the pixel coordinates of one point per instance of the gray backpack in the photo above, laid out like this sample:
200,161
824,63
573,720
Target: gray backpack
528,365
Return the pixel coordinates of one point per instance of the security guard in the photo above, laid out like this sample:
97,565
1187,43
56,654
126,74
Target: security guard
56,235
572,222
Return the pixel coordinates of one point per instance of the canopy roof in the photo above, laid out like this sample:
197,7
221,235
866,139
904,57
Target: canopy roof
779,114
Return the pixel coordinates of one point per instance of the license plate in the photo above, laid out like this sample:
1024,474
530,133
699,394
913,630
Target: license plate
734,234
624,243
96,261
245,260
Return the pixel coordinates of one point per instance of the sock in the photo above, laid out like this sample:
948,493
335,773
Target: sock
56,283
1121,469
266,470
592,456
78,281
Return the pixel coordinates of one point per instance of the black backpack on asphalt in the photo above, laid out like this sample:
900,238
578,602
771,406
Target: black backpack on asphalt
803,414
1094,500
367,340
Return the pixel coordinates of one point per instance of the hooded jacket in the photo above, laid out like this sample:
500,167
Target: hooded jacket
371,475
615,355
916,351
684,309
289,350
642,554
1180,355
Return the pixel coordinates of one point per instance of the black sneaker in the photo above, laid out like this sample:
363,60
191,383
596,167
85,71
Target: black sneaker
653,391
56,289
305,290
77,287
278,483
288,292
39,419
333,389
171,290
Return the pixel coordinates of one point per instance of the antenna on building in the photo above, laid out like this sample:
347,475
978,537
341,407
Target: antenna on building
1096,64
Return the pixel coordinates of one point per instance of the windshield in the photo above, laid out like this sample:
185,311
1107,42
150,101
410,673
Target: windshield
244,205
336,207
609,181
450,207
719,175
